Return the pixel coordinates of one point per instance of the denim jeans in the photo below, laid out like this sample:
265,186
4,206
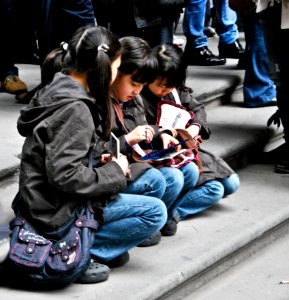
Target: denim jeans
150,183
168,184
165,183
174,185
194,20
258,88
206,195
128,221
188,175
226,26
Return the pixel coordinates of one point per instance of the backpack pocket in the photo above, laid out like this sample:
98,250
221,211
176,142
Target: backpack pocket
29,249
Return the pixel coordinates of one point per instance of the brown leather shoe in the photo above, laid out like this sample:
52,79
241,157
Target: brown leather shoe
13,84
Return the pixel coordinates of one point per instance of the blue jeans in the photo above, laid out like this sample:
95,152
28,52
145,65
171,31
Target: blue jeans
194,20
150,183
258,88
226,26
206,195
188,175
128,221
165,183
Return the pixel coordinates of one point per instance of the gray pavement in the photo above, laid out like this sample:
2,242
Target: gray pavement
206,245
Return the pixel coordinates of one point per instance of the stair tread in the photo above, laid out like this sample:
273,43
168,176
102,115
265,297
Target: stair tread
260,204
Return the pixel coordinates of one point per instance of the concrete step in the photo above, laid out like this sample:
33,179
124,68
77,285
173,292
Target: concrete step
258,277
205,244
204,247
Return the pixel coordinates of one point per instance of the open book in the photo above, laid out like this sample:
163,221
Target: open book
163,154
167,155
172,115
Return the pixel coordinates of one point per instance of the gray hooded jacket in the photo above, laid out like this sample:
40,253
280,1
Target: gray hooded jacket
60,129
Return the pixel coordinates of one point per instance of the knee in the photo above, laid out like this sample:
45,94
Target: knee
215,189
158,213
156,178
191,173
231,184
173,177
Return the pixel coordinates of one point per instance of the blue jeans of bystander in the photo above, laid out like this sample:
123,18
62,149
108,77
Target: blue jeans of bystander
194,20
258,88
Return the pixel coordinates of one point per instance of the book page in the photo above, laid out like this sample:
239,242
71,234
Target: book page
173,117
174,154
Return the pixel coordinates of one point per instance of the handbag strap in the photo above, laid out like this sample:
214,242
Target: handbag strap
176,96
119,114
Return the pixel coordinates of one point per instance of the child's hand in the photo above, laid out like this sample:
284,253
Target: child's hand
140,133
105,158
123,163
169,141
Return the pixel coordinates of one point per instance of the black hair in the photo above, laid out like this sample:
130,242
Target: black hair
171,64
52,63
138,60
90,51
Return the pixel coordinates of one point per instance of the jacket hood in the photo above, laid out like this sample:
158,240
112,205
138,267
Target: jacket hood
60,92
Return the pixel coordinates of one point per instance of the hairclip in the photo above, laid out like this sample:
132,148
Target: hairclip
64,46
103,47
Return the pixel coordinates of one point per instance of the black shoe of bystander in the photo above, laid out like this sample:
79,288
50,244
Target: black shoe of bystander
202,57
233,50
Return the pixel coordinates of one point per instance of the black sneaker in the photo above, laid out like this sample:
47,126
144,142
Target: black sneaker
152,240
202,57
233,50
169,228
209,32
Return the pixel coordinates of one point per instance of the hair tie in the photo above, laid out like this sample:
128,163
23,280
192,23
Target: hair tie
103,47
64,46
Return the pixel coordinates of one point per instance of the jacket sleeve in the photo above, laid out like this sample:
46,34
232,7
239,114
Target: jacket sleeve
71,135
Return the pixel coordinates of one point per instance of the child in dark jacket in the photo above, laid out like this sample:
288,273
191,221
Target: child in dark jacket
132,77
217,179
62,125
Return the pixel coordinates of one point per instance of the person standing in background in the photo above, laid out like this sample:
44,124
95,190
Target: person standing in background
151,20
196,50
275,18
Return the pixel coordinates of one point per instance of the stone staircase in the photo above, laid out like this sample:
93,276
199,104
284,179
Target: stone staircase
207,245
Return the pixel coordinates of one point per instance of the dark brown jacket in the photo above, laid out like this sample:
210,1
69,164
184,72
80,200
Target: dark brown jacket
54,176
214,167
